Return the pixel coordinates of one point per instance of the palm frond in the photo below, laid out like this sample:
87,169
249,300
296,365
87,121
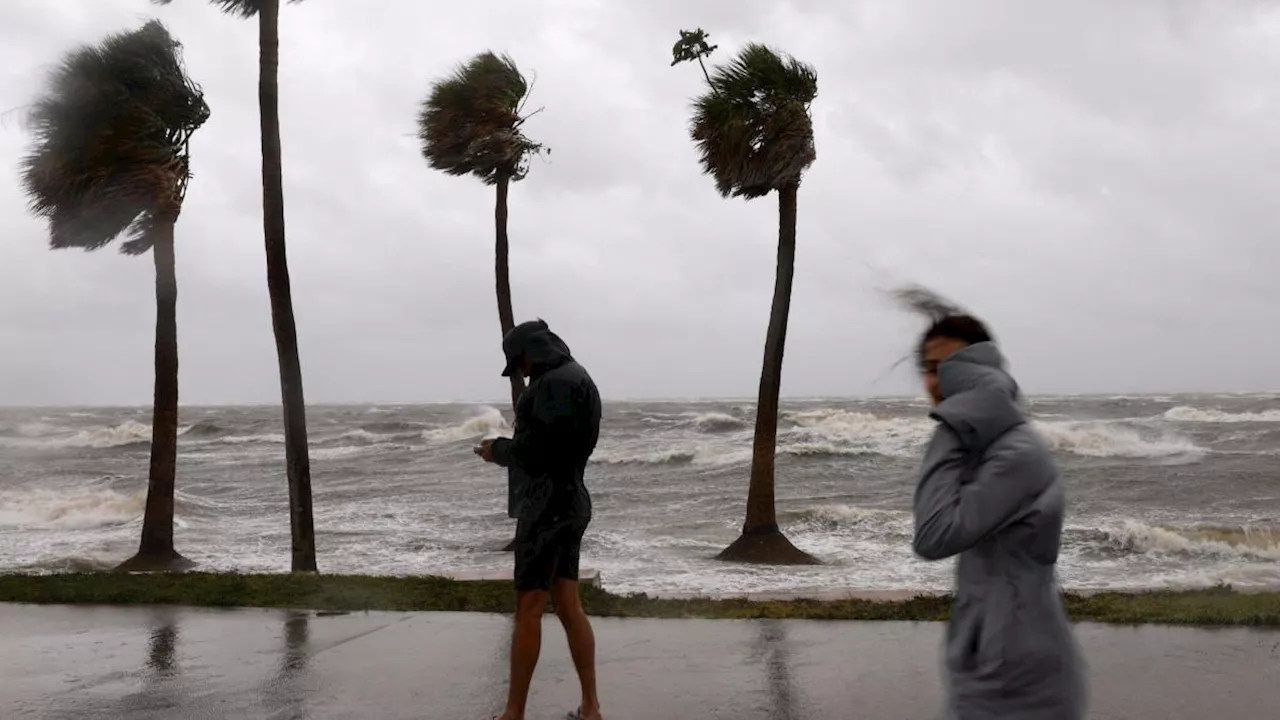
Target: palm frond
692,47
241,8
752,127
110,140
470,122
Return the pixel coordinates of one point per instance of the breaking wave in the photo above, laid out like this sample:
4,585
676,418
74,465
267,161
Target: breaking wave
834,518
1260,542
204,429
710,437
1120,537
1185,414
663,456
365,438
36,429
129,433
1114,440
841,432
488,423
343,452
716,422
39,436
35,436
78,509
263,439
721,455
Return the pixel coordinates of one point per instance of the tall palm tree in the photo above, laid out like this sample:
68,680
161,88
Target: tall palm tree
470,125
754,136
297,459
111,158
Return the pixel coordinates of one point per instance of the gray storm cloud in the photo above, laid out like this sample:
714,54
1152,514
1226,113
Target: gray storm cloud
1095,179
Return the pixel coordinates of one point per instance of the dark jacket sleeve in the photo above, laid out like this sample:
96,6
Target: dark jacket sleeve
546,433
959,502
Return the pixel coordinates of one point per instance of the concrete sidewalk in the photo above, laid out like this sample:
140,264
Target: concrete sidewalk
104,663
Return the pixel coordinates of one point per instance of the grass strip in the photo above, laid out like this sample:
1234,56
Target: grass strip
1217,606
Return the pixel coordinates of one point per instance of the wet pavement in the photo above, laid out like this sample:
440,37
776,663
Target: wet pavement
105,663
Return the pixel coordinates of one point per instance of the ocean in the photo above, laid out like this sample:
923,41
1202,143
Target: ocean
1162,491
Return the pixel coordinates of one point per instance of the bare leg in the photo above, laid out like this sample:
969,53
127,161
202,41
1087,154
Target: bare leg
582,643
526,644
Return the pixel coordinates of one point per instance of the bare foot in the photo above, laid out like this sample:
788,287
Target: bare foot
581,714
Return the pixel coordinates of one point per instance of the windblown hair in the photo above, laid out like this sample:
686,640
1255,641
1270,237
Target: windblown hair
945,318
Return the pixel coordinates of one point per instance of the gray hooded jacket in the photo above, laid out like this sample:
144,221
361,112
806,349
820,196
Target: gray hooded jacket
991,493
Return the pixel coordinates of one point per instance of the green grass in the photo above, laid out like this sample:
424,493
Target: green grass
1214,606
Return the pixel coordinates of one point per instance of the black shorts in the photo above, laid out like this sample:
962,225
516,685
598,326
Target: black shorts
546,553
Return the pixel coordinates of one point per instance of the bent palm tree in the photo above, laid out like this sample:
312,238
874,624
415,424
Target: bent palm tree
754,136
297,459
111,158
470,125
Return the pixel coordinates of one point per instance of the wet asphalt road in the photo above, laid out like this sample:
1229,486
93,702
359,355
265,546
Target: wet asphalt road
169,663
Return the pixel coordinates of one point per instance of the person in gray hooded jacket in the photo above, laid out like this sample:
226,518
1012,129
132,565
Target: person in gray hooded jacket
990,492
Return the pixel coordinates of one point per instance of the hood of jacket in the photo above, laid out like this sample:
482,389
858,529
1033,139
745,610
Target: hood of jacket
535,341
980,398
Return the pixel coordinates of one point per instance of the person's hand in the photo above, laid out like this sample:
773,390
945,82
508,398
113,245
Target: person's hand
485,450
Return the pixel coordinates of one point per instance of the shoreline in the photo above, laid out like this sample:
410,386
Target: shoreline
1215,606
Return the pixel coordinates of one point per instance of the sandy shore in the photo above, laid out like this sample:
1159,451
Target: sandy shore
161,663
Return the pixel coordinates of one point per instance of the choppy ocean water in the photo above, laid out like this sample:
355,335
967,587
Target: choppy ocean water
1163,491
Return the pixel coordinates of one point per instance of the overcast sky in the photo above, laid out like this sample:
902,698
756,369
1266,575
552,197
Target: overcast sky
1100,180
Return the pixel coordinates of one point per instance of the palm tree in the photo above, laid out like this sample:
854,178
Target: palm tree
754,136
297,459
470,125
111,158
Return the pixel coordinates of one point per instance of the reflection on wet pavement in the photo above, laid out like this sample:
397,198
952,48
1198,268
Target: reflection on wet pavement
285,695
773,649
167,663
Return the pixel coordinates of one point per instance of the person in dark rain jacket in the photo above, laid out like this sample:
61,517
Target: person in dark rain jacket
557,426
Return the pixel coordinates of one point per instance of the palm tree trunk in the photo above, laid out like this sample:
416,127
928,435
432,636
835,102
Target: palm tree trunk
156,551
516,480
298,464
761,515
506,316
761,540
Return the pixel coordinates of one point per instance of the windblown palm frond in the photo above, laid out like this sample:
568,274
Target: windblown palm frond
110,140
470,123
752,128
243,8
